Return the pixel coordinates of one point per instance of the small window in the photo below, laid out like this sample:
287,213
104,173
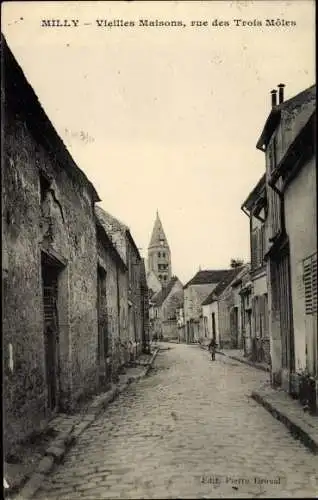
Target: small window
165,278
159,254
44,186
160,277
163,254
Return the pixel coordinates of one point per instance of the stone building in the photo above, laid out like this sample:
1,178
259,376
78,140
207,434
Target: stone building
221,312
288,141
50,328
133,323
159,257
112,282
195,291
255,207
164,310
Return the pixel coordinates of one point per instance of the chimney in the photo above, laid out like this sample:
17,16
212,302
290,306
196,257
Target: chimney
274,98
280,93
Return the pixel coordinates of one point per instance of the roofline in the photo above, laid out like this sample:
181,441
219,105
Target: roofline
132,241
274,118
35,116
255,193
269,127
208,282
113,249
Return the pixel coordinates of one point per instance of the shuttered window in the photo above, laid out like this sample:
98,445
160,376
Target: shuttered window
310,282
258,247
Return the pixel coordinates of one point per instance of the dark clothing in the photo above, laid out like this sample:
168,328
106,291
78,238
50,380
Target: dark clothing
212,347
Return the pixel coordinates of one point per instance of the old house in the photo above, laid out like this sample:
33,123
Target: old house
112,283
132,331
164,307
50,328
288,141
221,312
255,206
195,291
240,304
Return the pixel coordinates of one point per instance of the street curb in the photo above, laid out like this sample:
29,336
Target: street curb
245,361
61,445
298,429
151,362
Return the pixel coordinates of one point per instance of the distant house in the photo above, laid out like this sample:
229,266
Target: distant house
195,291
288,140
112,284
221,313
131,305
164,310
255,206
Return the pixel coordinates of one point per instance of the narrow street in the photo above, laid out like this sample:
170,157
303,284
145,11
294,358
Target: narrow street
193,432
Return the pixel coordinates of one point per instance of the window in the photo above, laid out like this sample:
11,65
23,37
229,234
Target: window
160,277
258,247
159,254
163,254
44,186
165,278
310,282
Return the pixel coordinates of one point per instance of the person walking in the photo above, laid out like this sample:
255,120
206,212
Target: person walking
212,349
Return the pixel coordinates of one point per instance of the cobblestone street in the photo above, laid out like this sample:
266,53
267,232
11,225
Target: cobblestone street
188,430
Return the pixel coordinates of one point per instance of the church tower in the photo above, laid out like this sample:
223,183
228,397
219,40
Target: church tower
159,259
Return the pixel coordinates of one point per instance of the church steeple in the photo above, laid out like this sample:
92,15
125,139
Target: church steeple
159,259
158,237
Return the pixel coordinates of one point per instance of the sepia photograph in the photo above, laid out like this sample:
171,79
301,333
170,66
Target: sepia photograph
159,249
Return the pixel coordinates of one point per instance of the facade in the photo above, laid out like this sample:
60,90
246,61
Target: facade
195,291
221,313
50,329
133,325
255,206
288,143
164,310
159,257
112,284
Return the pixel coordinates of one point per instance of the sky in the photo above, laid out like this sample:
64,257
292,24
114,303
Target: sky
167,118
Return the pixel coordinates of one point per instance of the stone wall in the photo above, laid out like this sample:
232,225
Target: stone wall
62,225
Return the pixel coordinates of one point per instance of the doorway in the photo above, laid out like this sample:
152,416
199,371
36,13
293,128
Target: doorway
234,327
103,344
50,272
213,327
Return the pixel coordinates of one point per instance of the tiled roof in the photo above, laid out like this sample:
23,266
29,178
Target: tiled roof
208,276
159,298
113,225
222,285
114,228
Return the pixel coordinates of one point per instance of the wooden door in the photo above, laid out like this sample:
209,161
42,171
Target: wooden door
51,337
